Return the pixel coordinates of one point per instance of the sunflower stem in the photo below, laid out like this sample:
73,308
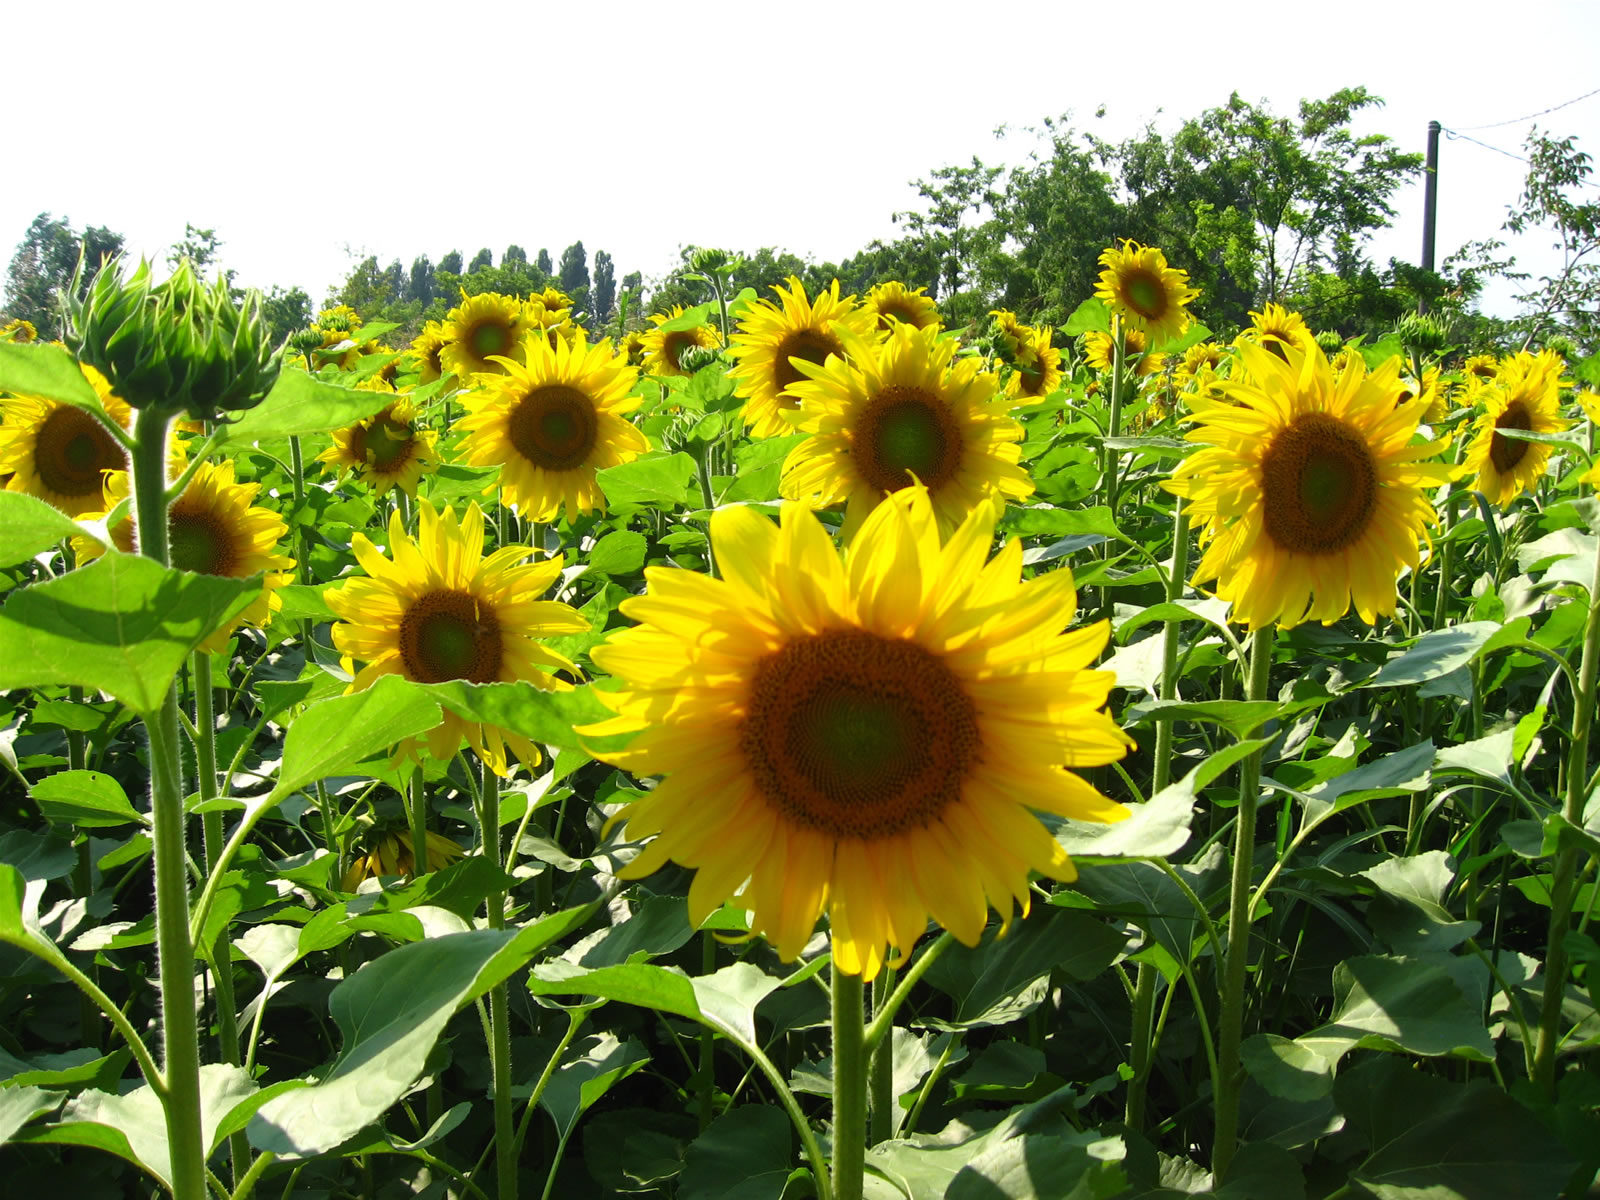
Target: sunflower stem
505,1131
881,1072
883,1015
297,481
180,1093
82,873
1108,456
1231,1022
1561,890
417,821
849,1086
1144,998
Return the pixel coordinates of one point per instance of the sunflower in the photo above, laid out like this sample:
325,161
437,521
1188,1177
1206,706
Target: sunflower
388,449
1097,349
662,348
552,299
1146,293
1591,408
439,610
1526,395
1310,491
1480,368
425,351
632,348
551,424
555,324
894,302
1037,371
1275,326
903,413
1010,334
771,336
61,453
212,529
863,737
393,853
1435,397
483,328
18,330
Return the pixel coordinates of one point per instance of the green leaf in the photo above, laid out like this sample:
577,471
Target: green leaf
333,736
657,926
618,553
1147,896
743,1155
1091,316
299,404
1410,1004
542,716
1238,717
1070,1166
688,319
29,526
1285,1068
389,1014
654,480
88,799
1434,654
45,372
724,1000
1396,773
1410,914
71,1069
1565,556
1263,1171
122,624
579,1083
19,1105
1488,756
1435,1139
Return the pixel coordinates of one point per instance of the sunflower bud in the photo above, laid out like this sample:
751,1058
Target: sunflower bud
692,358
304,341
1421,335
1330,341
707,260
179,346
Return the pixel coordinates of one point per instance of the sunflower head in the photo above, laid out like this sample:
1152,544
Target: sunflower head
868,737
666,344
631,348
1098,347
893,302
1036,373
1144,291
392,852
1525,397
18,330
1276,328
1310,491
386,450
425,351
60,453
1480,368
482,332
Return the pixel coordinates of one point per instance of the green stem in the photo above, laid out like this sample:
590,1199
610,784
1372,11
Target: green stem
881,1072
417,821
247,1182
702,462
82,873
1561,890
297,481
499,1002
883,1017
205,752
174,948
849,1086
1231,1022
1144,1003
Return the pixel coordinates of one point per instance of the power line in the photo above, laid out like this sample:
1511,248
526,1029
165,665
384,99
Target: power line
1453,134
1531,116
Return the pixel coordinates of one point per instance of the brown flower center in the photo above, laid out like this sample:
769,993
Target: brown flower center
554,427
906,431
856,735
450,635
1505,452
674,344
1144,293
72,450
490,336
813,346
197,541
385,445
1319,485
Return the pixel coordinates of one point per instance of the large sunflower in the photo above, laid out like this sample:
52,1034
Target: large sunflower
482,330
1525,396
771,335
887,417
60,453
212,529
435,609
894,302
551,424
862,737
1309,488
662,348
388,449
1146,293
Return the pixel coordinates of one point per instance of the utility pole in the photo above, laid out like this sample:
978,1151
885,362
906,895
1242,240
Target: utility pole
1430,204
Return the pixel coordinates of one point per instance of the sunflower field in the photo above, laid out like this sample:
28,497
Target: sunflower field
788,747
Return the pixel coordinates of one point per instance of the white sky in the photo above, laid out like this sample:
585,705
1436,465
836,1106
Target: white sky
298,131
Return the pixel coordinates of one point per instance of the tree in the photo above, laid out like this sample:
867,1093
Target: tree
515,255
200,247
420,287
604,294
451,263
285,311
542,263
366,289
483,258
43,265
574,269
1567,302
395,281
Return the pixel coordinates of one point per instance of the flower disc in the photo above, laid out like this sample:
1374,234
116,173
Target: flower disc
1149,295
481,331
663,348
60,453
1525,397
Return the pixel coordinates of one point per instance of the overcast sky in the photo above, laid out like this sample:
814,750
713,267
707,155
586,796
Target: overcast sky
310,136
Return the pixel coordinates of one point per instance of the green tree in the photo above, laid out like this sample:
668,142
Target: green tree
1555,195
604,294
201,247
574,272
515,255
285,311
483,258
420,286
42,268
542,262
450,264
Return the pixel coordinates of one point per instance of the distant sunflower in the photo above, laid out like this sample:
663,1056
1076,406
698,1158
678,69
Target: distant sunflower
894,301
1010,334
885,418
868,738
18,330
435,609
480,330
1275,327
1097,349
663,348
553,300
392,853
1145,292
1435,397
386,450
1526,396
212,529
631,348
550,425
1309,487
1591,407
1037,371
1480,368
425,351
61,453
771,335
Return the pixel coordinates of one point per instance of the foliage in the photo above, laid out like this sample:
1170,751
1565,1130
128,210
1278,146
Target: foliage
42,269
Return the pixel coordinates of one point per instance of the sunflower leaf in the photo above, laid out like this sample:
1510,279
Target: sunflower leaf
29,526
299,404
45,372
336,734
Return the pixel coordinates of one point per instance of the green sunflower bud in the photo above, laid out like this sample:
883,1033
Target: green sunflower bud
1330,341
692,358
304,341
1421,335
707,260
179,346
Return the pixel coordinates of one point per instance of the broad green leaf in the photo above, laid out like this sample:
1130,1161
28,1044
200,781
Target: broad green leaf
1396,773
299,601
389,1014
658,925
689,319
653,480
542,716
601,1062
1440,1140
45,372
1049,520
1145,894
19,1105
1091,316
618,553
1238,717
1285,1068
88,799
1435,654
133,1126
1410,915
1263,1171
1005,1071
299,404
743,1155
1077,1165
1488,756
122,624
638,1149
1565,556
1410,1004
71,1069
334,735
37,855
725,1000
29,526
